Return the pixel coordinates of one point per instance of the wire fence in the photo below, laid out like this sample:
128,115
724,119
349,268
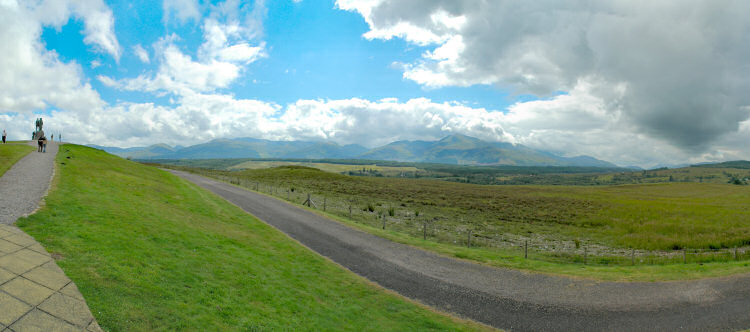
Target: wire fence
434,227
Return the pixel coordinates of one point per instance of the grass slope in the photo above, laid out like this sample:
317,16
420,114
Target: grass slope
150,251
11,153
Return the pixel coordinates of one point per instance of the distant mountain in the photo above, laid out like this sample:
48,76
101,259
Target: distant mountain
242,148
466,150
454,149
145,152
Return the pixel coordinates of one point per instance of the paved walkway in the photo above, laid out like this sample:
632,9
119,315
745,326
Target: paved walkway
35,294
505,298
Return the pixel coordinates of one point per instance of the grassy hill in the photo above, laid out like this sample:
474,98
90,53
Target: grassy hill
150,251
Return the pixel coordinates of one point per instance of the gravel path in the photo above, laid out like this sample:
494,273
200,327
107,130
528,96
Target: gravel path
23,186
504,298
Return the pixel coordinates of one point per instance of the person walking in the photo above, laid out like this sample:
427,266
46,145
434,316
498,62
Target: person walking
52,139
3,136
44,144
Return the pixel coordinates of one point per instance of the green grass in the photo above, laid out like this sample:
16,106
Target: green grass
647,216
653,216
150,251
12,153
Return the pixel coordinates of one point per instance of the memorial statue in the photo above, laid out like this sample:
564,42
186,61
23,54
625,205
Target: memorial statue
38,133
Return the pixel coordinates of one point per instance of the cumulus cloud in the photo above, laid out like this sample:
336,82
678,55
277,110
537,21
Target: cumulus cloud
182,10
198,117
33,78
680,69
226,49
97,18
141,53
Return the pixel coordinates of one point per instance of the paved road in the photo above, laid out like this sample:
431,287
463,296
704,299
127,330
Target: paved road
504,298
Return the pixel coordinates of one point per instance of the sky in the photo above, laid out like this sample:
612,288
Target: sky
636,83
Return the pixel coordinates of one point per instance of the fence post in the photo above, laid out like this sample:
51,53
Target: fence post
526,249
684,255
585,254
468,240
287,193
424,230
350,211
735,252
324,203
383,220
632,256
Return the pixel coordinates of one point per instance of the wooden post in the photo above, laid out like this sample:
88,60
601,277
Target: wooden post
350,211
424,230
468,240
307,201
735,253
526,249
257,186
384,221
287,193
324,203
684,255
632,256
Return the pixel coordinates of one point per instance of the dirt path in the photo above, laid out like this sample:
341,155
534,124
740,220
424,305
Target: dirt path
504,298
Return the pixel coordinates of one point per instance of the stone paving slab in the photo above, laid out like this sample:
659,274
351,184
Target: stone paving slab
35,294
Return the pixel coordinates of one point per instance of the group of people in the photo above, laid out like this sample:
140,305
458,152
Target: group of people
42,142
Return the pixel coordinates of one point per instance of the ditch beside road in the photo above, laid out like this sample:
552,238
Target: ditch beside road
503,298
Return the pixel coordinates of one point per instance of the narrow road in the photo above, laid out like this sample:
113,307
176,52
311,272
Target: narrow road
504,298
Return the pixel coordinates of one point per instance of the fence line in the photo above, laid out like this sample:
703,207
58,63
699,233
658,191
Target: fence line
428,227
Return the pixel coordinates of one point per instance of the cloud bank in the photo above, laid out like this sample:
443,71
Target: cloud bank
676,71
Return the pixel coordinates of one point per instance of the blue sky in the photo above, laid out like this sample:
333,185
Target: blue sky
315,51
634,84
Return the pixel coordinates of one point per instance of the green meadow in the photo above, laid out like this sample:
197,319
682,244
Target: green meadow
150,251
654,221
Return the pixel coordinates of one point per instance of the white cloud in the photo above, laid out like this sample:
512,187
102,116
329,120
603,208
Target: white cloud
683,65
32,78
220,59
97,18
182,10
141,53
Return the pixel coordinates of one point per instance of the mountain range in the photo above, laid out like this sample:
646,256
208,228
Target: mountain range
453,149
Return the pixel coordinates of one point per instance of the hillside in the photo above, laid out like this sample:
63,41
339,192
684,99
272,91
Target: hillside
151,252
454,149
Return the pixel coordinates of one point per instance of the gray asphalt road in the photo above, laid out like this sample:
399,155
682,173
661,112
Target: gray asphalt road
504,298
24,184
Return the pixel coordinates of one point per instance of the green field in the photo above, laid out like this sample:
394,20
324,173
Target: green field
11,153
329,167
563,225
150,251
647,216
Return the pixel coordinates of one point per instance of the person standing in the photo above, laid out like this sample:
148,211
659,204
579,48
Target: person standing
3,136
52,139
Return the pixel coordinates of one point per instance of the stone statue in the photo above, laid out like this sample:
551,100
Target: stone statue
38,133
